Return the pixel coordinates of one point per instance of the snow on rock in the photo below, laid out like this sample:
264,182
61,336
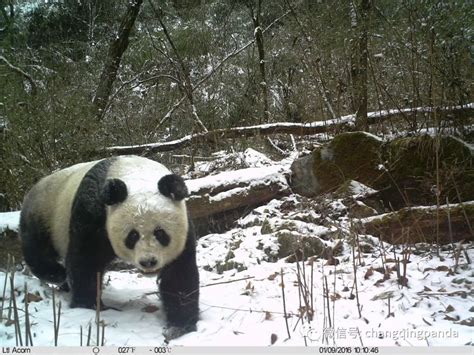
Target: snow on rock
359,190
235,250
373,136
337,205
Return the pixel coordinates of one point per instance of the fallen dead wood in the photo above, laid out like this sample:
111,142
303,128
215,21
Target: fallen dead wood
220,134
443,225
232,190
298,129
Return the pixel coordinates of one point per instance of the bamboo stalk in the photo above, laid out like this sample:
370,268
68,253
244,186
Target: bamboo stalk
18,338
28,336
54,319
89,333
355,278
312,288
284,305
5,286
97,309
10,270
59,320
103,334
327,300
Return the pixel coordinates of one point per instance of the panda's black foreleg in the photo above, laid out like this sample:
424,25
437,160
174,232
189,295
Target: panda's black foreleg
89,250
85,263
179,290
82,272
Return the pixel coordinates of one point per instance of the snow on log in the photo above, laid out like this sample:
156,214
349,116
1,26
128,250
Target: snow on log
235,189
299,129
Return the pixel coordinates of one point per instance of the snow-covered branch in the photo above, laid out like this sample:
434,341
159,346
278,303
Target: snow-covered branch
299,129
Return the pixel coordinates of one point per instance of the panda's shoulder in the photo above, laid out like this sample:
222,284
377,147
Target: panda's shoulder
135,170
130,164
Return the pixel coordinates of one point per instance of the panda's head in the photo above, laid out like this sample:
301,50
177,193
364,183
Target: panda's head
147,227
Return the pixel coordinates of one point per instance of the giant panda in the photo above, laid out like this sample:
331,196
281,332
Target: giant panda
128,207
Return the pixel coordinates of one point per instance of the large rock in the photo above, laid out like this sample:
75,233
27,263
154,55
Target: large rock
419,168
303,180
407,171
292,243
349,156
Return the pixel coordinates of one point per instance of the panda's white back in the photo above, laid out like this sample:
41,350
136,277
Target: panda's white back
139,174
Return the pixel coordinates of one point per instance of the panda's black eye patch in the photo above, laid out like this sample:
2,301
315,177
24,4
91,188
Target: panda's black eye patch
132,239
161,236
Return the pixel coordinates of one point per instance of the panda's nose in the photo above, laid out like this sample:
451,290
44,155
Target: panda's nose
148,263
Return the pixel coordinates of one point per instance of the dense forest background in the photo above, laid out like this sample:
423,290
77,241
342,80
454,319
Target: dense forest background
79,76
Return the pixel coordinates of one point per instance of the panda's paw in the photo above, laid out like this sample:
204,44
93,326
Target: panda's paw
106,308
173,332
78,304
103,307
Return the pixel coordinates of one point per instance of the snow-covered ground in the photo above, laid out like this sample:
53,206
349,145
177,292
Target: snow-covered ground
241,299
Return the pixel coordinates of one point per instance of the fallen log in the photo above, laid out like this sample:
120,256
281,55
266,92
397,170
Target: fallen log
298,129
429,224
235,189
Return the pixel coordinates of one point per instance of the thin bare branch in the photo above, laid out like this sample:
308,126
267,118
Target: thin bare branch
22,73
217,67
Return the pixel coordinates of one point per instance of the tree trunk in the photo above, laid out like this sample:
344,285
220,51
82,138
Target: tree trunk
258,33
359,60
114,56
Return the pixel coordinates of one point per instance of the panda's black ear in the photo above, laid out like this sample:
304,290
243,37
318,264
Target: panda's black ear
173,186
113,192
